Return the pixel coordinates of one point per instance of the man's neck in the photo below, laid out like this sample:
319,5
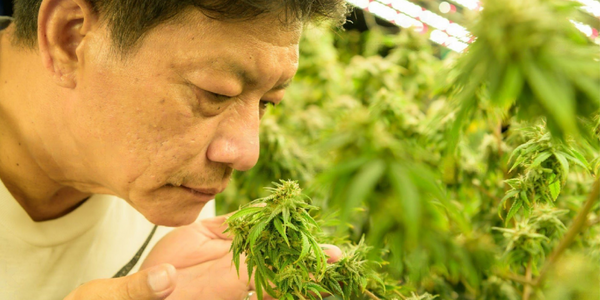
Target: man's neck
23,166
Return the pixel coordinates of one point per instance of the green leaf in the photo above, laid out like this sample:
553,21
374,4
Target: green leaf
309,218
508,195
244,212
410,198
581,159
250,268
542,157
336,288
511,87
258,284
564,164
523,196
317,289
281,230
513,210
255,233
286,216
554,188
362,185
553,95
305,247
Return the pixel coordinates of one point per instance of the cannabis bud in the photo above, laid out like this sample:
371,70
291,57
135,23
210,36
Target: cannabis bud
278,236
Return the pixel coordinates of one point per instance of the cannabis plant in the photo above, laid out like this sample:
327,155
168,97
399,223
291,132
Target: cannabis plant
474,176
278,237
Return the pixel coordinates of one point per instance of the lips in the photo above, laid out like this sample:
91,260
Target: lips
203,194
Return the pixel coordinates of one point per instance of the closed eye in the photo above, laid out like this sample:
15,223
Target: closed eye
219,97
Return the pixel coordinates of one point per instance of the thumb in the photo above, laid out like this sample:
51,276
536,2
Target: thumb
155,283
332,251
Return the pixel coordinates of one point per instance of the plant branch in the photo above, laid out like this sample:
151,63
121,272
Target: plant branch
576,226
487,193
514,277
527,287
371,295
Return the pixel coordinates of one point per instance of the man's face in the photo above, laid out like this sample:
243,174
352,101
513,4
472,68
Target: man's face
180,113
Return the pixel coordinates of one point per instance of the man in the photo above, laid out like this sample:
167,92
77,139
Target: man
107,105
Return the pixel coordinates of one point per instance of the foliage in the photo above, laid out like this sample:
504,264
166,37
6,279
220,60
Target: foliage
473,174
277,236
530,59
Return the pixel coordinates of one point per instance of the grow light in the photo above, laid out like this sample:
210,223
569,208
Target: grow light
407,14
470,4
591,6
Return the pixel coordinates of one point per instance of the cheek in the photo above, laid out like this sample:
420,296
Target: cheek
133,123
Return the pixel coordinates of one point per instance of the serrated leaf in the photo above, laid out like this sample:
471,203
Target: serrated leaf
525,199
320,256
244,212
250,268
581,159
305,247
574,160
508,195
286,215
281,230
513,210
554,188
542,157
258,284
255,233
336,288
309,218
316,289
564,164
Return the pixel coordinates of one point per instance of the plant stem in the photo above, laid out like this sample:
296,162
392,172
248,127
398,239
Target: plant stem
576,226
481,189
527,287
371,295
517,278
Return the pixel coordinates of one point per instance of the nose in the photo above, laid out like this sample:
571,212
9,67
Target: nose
236,142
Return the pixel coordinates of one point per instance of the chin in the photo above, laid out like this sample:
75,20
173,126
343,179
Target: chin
174,217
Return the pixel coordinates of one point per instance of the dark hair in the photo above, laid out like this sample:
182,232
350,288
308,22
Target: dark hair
129,20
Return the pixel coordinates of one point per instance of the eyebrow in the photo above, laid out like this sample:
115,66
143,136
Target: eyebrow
249,80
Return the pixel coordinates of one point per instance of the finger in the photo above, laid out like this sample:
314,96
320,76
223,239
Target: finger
333,252
152,284
216,226
266,296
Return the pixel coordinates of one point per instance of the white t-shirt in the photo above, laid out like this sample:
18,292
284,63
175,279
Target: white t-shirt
47,260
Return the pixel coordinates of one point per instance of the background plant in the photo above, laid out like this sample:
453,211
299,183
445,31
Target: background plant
476,174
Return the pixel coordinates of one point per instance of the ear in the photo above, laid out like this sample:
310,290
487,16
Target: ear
62,26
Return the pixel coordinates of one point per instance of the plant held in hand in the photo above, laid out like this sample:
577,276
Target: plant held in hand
279,239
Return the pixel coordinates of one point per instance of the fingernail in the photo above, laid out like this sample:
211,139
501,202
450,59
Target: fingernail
160,279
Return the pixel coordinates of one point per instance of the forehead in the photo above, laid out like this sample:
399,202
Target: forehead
244,48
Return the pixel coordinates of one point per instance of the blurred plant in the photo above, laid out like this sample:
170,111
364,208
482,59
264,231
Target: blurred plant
530,60
509,140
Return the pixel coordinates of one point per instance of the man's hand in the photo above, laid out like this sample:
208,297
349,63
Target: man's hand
200,252
155,283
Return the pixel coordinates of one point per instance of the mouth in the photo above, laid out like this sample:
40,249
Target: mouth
201,194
